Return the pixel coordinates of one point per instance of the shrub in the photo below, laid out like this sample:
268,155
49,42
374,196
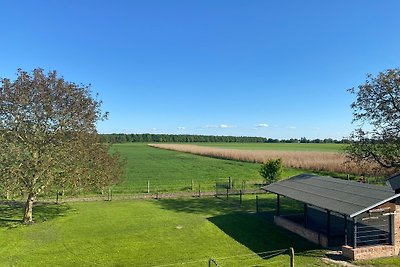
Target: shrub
271,170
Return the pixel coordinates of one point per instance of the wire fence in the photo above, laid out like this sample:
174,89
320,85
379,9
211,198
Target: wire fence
279,257
222,187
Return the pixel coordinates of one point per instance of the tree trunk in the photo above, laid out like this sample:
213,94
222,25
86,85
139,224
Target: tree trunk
28,209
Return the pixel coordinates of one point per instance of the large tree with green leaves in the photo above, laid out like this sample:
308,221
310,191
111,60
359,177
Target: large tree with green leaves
49,139
377,111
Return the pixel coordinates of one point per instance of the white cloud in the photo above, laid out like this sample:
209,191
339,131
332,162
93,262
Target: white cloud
292,127
262,125
221,126
181,128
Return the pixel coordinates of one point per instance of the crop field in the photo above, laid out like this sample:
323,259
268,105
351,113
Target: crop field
317,157
322,147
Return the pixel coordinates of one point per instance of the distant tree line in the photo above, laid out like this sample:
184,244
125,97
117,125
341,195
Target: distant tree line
185,138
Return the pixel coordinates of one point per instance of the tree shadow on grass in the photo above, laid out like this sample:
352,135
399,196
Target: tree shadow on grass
255,231
259,233
11,212
204,205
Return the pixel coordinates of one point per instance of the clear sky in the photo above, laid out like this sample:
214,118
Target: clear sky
275,69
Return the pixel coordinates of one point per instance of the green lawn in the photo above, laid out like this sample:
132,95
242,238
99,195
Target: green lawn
278,146
174,171
148,233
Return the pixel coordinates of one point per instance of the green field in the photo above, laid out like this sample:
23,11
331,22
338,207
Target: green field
149,233
278,146
171,171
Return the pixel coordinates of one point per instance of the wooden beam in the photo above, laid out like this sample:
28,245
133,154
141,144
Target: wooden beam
345,230
355,232
305,215
278,204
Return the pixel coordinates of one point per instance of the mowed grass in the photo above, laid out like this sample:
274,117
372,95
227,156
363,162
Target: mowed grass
328,147
151,233
174,171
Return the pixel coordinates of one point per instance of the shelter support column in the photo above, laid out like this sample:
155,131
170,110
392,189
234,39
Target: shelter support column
391,229
305,214
278,204
328,225
354,232
345,230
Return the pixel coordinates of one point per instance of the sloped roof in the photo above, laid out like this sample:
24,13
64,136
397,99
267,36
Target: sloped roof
394,181
346,197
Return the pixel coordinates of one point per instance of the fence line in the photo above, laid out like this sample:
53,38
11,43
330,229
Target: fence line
262,256
152,189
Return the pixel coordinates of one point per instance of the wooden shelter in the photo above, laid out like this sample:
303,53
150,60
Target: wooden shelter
363,219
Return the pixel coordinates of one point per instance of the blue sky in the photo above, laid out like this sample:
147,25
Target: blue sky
276,69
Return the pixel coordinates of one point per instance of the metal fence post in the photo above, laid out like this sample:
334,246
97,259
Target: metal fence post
213,261
199,191
291,254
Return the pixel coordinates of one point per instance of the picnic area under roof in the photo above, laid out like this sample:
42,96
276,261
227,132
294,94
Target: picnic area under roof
342,196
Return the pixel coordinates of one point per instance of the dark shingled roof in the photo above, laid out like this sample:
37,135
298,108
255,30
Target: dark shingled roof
346,197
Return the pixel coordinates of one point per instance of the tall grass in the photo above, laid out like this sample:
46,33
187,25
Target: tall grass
311,160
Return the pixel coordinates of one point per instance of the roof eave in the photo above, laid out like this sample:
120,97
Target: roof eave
373,206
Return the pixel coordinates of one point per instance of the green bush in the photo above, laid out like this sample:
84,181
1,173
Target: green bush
271,170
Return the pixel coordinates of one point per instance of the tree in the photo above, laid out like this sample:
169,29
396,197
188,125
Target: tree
271,170
48,129
376,140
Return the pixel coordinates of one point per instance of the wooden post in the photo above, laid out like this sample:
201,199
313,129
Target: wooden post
305,214
391,227
328,225
227,193
199,191
230,182
348,177
57,197
278,204
354,232
148,187
291,254
109,194
192,184
240,200
345,229
257,204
